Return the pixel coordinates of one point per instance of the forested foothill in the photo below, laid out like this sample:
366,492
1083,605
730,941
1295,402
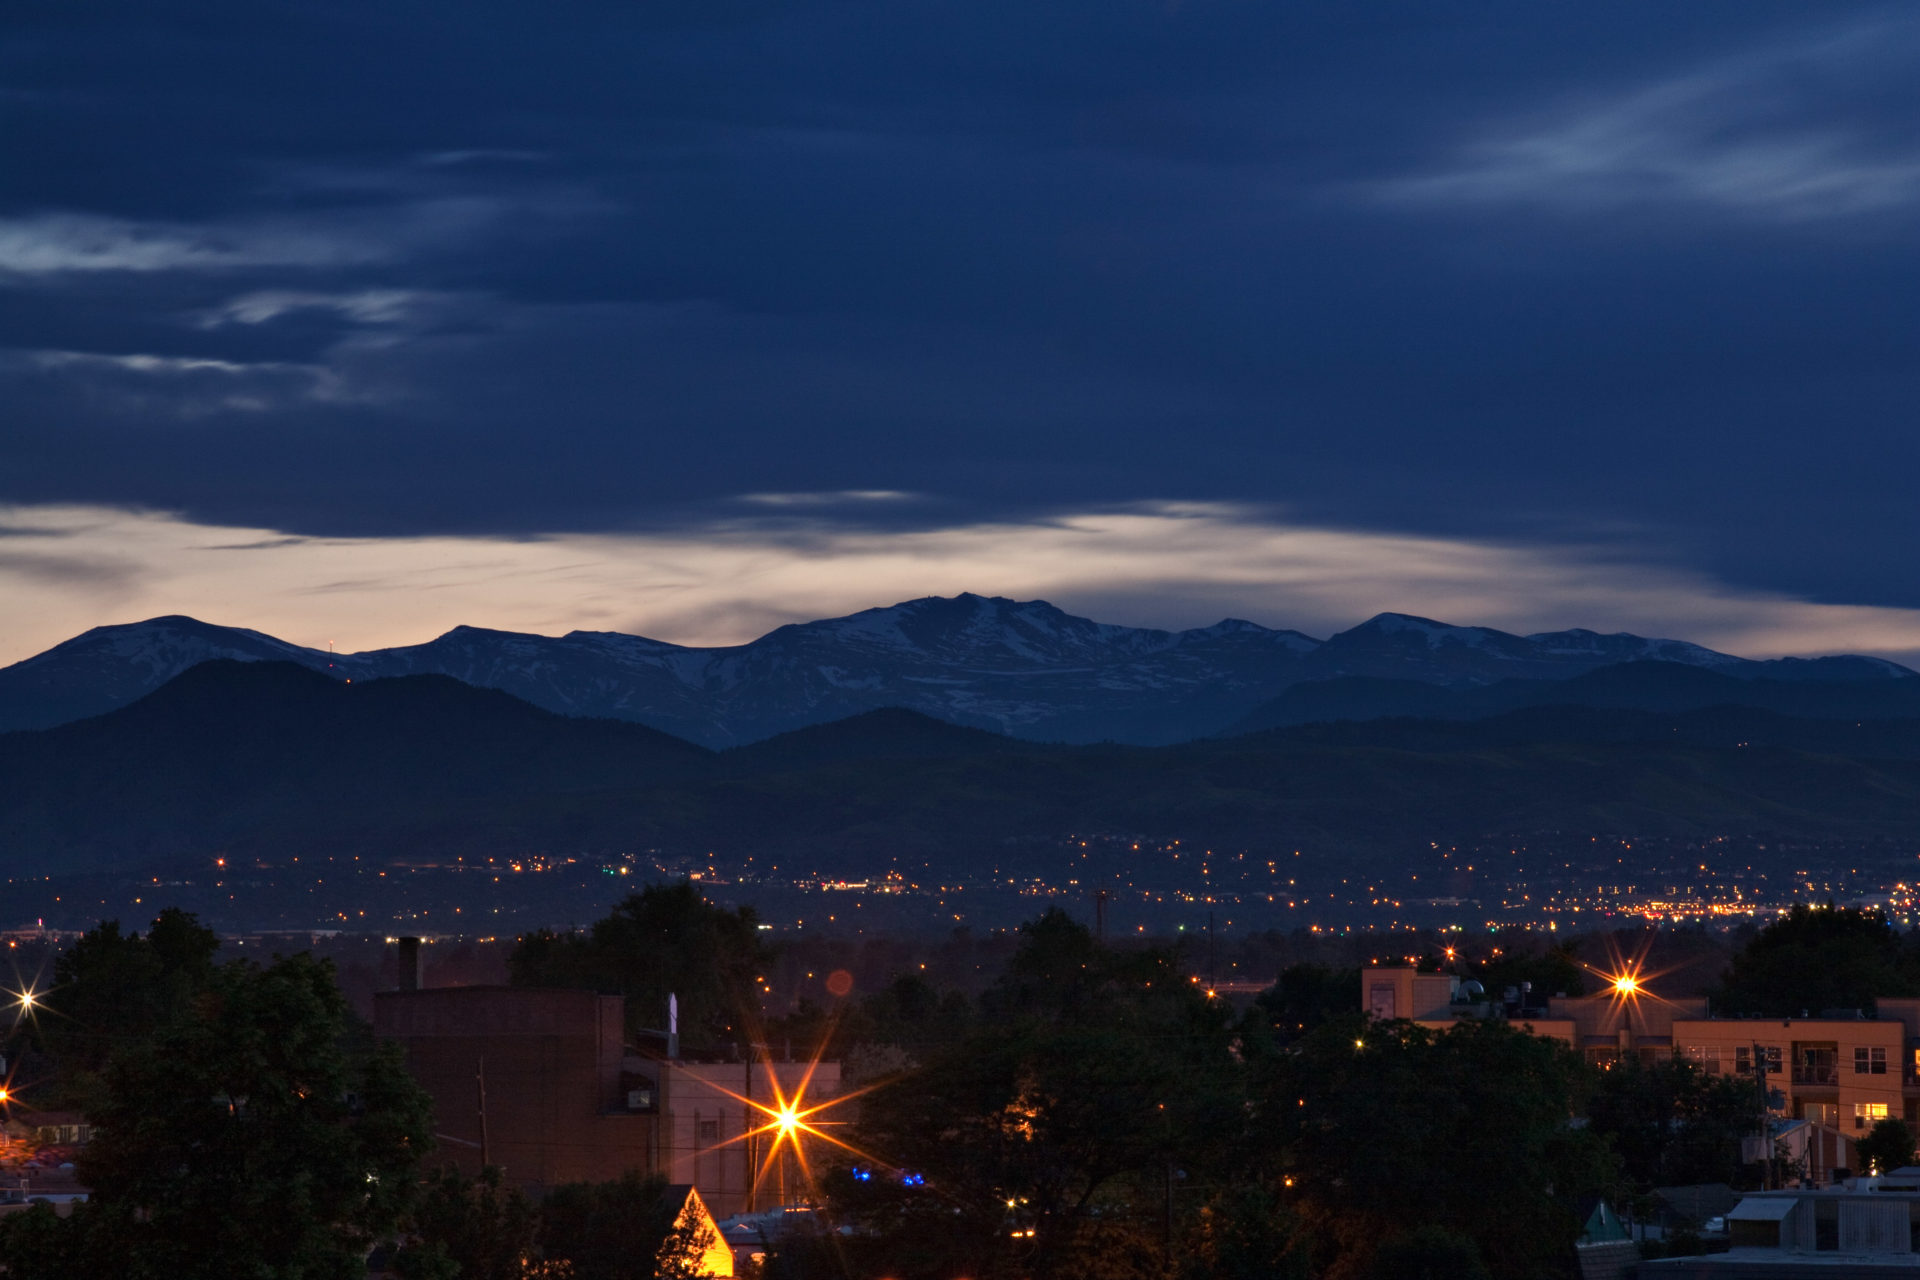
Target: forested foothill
425,768
1039,1103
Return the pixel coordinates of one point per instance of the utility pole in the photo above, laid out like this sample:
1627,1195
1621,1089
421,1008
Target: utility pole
1212,957
480,1080
746,1092
1166,1226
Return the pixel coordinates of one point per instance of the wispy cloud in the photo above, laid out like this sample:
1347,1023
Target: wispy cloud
481,155
1158,564
376,230
173,387
105,579
827,498
365,306
1768,133
262,544
57,242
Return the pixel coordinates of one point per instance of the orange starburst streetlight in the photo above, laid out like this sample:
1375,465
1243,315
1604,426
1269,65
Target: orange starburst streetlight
791,1119
1627,990
25,1001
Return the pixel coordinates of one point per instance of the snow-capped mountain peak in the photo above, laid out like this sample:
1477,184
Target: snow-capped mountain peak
1023,667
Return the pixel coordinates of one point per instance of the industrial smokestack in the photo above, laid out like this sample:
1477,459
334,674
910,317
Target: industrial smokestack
412,968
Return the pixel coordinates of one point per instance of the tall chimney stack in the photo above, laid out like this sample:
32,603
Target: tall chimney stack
412,969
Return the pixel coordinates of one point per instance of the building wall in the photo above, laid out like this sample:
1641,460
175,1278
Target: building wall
551,1063
556,1072
1843,1072
1717,1044
1389,992
710,1112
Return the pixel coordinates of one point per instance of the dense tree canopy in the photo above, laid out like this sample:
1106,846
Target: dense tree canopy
1816,958
1672,1124
115,990
1307,995
666,939
1045,1142
627,1229
241,1140
1471,1125
470,1229
1888,1146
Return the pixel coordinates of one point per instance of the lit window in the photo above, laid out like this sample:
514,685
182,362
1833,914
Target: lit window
1866,1114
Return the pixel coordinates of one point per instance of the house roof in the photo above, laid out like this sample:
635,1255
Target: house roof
1599,1222
1762,1209
1698,1201
44,1119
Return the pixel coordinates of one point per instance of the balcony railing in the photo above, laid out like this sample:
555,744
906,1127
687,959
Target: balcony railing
1804,1074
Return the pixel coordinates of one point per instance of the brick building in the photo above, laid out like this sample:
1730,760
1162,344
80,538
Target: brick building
543,1084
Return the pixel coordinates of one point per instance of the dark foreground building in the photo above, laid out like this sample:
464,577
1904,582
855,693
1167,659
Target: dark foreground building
543,1084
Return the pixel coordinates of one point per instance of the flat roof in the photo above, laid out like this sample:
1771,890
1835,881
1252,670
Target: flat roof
1775,1262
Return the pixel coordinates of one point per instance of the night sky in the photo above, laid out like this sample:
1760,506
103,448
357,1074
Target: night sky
352,321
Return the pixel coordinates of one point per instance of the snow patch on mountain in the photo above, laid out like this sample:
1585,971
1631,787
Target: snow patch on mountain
1016,666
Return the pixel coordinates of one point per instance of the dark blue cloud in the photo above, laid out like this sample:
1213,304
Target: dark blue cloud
1639,272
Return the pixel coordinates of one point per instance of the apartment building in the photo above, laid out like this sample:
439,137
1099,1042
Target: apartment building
1842,1069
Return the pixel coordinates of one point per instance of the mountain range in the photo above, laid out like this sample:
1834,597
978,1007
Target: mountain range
1020,668
270,760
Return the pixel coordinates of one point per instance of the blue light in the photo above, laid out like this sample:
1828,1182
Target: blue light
862,1175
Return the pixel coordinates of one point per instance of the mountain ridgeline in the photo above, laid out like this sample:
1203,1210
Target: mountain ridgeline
271,759
1024,669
